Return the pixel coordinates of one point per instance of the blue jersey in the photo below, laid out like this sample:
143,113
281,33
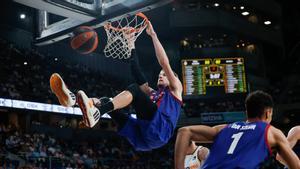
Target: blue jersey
239,145
146,135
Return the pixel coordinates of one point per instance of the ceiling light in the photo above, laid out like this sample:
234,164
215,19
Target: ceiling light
184,43
245,13
234,7
267,22
25,63
22,16
216,4
242,7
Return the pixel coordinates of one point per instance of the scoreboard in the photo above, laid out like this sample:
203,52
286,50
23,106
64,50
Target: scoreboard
203,75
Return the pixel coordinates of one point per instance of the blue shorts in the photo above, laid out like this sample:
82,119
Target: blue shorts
145,135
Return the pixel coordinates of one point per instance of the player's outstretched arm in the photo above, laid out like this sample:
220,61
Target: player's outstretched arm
278,141
137,73
293,136
185,135
163,60
136,70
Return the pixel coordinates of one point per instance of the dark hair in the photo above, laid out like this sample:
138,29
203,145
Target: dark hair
256,103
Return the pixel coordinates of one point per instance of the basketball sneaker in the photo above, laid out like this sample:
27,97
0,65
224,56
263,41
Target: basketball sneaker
59,88
91,114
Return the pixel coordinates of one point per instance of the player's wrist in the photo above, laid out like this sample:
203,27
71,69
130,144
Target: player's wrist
132,47
153,35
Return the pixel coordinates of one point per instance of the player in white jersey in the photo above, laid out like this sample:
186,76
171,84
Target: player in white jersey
293,138
195,156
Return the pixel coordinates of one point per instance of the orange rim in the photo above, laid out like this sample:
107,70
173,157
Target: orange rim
140,14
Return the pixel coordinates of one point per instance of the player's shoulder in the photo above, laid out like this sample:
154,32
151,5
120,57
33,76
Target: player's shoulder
177,92
176,86
295,129
274,129
275,135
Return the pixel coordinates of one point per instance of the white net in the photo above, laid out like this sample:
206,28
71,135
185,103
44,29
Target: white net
122,34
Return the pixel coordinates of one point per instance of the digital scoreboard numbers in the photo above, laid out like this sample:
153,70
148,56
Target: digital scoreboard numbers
235,76
193,79
199,75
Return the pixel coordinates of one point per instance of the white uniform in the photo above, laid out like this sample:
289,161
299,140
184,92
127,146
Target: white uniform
192,161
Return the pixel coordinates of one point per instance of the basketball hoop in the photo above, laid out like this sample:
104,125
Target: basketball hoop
121,35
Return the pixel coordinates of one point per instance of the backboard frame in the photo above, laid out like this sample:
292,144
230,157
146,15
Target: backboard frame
93,15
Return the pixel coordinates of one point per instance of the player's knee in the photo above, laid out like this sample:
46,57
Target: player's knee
133,89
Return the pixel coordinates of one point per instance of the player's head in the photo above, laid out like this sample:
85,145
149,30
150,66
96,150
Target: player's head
162,79
192,147
203,154
259,105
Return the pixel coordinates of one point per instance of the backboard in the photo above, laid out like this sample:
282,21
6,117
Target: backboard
92,13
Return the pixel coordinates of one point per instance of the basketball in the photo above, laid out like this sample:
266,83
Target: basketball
84,40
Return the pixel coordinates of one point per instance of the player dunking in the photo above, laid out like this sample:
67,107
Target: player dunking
157,111
243,145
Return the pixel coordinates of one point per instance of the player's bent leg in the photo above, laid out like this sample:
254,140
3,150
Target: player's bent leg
120,101
142,103
90,113
59,88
